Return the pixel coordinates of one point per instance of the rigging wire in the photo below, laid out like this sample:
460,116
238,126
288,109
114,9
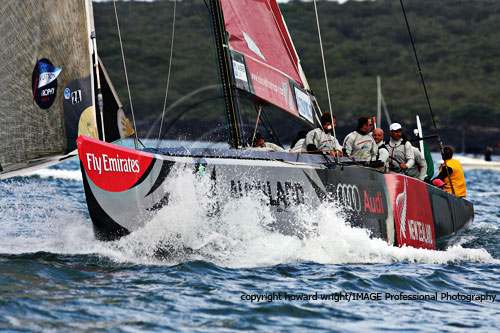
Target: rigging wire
264,120
207,25
126,75
207,5
317,109
426,94
168,76
256,125
269,128
324,71
412,60
100,102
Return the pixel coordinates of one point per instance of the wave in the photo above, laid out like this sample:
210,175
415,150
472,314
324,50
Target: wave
56,174
240,234
199,224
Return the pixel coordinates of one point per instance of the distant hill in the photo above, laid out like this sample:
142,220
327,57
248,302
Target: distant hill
458,43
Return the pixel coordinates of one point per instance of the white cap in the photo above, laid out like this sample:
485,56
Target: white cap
395,127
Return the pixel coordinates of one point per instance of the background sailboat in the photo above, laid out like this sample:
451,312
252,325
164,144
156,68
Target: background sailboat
381,104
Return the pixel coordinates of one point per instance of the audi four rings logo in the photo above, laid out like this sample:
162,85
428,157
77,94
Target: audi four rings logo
348,195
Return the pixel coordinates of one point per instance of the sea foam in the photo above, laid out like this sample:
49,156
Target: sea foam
237,232
201,224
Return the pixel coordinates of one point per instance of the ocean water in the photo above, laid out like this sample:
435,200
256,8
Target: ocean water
232,273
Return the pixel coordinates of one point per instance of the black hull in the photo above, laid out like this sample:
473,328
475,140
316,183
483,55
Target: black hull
401,210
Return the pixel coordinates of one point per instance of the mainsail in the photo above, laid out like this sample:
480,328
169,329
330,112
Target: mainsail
265,63
47,96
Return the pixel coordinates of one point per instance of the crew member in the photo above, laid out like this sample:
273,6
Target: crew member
296,145
455,171
400,151
260,144
487,154
378,136
419,170
360,143
321,140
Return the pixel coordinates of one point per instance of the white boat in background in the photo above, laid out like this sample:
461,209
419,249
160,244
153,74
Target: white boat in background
469,163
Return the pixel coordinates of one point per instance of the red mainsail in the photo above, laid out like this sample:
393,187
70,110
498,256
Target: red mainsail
264,59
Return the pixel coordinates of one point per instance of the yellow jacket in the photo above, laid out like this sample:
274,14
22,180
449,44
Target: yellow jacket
457,178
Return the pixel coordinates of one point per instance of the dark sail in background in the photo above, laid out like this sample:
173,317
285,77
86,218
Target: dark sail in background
47,93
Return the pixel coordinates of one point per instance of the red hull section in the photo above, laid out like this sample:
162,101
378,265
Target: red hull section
411,206
110,167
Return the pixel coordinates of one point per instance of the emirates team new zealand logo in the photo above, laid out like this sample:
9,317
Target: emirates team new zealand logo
44,83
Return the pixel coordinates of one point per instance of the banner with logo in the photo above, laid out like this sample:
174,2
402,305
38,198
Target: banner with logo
111,167
412,211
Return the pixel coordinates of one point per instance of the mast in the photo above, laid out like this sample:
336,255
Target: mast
93,52
223,58
379,101
426,95
380,104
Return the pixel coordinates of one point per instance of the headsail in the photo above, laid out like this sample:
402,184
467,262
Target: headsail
265,63
47,98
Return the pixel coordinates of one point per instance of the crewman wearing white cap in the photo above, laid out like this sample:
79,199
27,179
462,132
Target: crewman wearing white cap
400,151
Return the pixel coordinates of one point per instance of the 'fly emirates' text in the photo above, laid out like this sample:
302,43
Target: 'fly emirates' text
107,163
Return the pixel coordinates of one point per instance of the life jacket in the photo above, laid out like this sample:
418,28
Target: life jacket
403,143
457,178
382,146
393,165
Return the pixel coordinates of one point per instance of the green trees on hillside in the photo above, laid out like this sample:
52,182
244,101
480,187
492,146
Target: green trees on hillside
458,42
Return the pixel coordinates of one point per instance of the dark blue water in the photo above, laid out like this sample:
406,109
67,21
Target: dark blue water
54,276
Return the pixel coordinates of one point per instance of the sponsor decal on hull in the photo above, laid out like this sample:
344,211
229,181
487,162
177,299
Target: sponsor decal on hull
365,201
279,193
111,167
373,204
412,211
348,195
